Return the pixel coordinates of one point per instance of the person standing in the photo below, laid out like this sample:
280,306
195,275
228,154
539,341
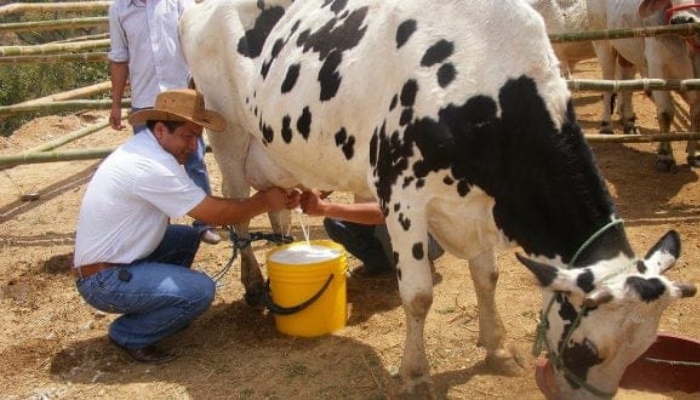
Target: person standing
145,52
129,259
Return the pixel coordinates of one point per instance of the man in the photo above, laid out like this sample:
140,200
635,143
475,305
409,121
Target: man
128,258
145,50
361,229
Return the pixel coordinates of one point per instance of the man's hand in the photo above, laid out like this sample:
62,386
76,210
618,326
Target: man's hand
312,203
276,199
115,118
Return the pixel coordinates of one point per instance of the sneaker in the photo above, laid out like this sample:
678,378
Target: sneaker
209,236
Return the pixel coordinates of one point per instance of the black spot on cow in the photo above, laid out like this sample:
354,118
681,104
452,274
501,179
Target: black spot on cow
420,183
330,41
397,207
398,273
252,43
407,180
268,133
396,258
409,91
373,146
437,53
446,74
463,187
276,49
329,77
405,31
394,102
641,267
586,281
448,180
417,251
345,142
336,5
287,129
647,289
406,116
405,222
304,123
579,358
291,78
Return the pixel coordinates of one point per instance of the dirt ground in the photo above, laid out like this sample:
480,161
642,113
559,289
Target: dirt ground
52,345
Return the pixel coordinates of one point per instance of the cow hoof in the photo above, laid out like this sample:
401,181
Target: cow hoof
508,364
420,389
631,130
693,161
666,165
255,300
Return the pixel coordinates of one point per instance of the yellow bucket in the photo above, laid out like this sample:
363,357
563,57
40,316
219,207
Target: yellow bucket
308,287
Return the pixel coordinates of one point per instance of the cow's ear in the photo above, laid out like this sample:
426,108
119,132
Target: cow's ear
664,253
649,7
550,276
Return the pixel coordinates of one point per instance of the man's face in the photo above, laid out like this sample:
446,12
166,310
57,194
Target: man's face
181,142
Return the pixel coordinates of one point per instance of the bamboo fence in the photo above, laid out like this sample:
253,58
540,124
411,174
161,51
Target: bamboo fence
60,106
74,23
98,56
624,33
633,84
16,8
53,48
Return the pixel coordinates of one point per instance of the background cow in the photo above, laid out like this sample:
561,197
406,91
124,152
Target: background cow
665,57
455,117
566,16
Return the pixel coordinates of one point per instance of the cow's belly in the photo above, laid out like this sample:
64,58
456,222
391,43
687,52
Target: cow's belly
465,226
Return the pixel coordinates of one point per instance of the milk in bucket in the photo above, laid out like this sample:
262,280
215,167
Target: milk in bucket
300,271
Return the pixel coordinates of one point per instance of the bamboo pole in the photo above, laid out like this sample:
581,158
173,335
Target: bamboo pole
74,23
70,94
59,106
54,156
660,137
681,29
53,48
634,84
56,58
15,8
96,36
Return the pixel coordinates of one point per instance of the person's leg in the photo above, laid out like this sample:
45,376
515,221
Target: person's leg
359,240
158,296
197,171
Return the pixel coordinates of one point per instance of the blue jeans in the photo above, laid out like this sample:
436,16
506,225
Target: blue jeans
195,167
159,295
370,244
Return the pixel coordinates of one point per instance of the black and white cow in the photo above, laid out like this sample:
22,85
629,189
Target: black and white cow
454,115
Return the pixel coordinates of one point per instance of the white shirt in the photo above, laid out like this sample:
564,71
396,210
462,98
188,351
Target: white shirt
128,203
145,35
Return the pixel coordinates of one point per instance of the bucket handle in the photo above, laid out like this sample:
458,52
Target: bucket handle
280,310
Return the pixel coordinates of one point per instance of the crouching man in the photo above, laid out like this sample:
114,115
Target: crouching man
128,258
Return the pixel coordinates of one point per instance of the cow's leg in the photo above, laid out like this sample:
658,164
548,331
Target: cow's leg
416,288
251,275
626,71
693,100
665,110
607,59
691,147
492,333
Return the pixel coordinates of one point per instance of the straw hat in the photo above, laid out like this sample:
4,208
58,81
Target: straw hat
180,105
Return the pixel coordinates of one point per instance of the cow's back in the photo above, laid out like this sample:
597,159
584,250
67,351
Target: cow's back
331,78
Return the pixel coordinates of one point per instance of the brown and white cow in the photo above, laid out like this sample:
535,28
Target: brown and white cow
455,117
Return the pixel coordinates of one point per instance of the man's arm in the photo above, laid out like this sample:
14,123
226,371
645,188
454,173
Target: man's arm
119,74
360,213
221,211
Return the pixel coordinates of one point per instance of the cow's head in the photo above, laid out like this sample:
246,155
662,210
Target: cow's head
676,11
598,319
